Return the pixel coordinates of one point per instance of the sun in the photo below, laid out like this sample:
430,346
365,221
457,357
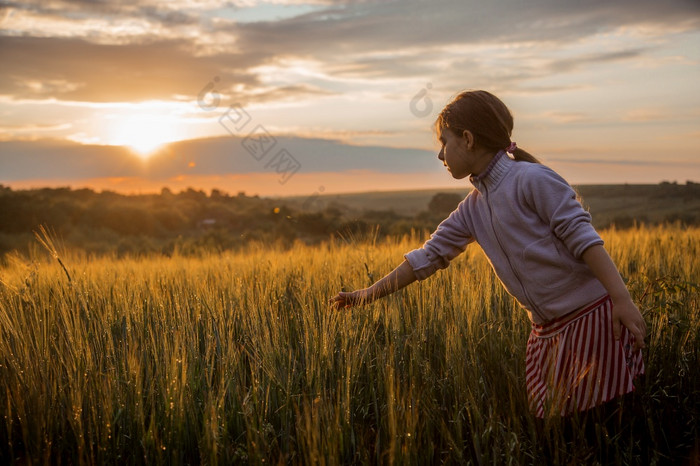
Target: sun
143,134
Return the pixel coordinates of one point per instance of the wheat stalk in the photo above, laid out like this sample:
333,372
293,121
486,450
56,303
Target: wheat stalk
45,237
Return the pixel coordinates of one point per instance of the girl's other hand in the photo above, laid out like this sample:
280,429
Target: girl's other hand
348,299
626,313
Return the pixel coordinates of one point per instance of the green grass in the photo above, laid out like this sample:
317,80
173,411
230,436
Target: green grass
237,358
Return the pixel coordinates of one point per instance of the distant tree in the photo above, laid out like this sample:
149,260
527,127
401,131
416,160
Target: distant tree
193,194
333,213
444,203
127,219
170,220
218,194
314,224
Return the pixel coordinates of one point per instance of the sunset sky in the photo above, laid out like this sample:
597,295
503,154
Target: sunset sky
288,97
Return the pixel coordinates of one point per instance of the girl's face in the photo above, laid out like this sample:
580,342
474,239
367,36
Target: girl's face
460,155
455,154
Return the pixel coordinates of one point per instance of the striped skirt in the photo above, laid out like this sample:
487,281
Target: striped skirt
574,363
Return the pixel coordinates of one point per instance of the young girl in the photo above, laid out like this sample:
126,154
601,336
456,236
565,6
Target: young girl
587,334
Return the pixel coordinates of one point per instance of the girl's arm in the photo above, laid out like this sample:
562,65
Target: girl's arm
624,311
400,277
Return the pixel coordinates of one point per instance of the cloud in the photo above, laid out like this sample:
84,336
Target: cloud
62,159
75,69
282,93
571,63
396,25
624,162
21,160
167,13
179,46
646,115
571,117
33,127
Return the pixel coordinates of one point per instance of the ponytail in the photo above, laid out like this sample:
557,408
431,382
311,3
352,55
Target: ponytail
519,154
524,156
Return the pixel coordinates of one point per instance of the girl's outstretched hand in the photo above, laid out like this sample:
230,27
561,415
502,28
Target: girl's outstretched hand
398,278
348,299
626,313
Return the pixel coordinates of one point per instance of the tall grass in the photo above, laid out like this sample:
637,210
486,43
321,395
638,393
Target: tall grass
238,358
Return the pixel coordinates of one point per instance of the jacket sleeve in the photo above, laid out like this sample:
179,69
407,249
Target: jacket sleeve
448,241
555,202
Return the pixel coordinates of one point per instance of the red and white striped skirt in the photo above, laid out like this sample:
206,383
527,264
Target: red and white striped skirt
574,363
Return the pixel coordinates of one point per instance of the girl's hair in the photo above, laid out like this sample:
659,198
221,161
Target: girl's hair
486,116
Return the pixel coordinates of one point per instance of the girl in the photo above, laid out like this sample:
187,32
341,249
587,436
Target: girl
587,334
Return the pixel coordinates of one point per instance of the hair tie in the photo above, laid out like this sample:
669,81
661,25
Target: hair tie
511,147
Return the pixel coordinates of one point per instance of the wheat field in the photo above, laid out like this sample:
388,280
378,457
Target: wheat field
235,358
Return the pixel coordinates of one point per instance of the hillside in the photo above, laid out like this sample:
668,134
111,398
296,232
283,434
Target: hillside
621,205
193,221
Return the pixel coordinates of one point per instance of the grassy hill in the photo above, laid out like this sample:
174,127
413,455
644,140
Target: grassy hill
193,221
622,205
406,203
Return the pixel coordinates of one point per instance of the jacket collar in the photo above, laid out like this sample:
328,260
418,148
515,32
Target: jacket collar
494,173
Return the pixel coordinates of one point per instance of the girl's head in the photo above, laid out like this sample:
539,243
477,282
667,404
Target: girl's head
486,117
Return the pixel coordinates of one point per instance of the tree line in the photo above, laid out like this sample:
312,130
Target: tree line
190,221
193,221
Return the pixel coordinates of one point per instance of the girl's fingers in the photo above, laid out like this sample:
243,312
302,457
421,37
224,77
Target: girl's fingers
639,334
341,300
347,299
637,328
628,314
336,300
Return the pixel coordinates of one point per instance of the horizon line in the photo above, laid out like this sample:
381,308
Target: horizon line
322,193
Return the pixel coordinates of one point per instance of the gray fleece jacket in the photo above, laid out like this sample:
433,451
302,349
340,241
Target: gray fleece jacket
533,230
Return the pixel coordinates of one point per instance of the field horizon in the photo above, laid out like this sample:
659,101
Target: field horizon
197,221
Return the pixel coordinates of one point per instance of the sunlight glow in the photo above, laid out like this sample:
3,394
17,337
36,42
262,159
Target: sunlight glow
144,134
